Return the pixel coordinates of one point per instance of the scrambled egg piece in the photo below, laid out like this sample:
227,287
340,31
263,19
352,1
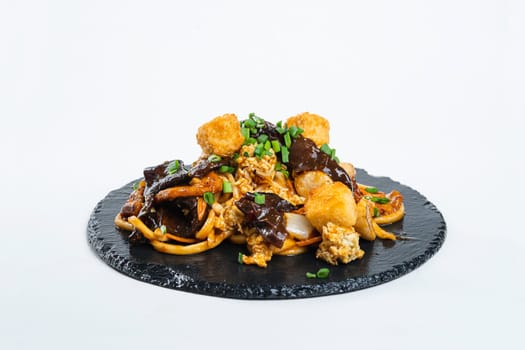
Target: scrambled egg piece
221,136
261,252
315,127
339,245
331,203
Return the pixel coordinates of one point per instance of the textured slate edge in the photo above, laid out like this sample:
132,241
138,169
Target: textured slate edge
169,278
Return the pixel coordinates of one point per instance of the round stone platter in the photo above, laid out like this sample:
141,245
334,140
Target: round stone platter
218,273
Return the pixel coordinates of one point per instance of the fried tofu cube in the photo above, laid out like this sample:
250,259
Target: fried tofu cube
221,136
308,181
331,203
315,127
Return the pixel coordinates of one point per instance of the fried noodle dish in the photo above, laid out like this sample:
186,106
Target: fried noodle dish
275,188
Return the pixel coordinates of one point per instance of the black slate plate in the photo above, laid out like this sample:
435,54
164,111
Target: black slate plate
217,272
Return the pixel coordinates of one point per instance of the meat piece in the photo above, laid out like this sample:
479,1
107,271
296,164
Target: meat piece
315,127
221,136
331,203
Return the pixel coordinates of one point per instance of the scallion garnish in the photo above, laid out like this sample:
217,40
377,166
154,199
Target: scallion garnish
295,131
214,158
135,186
226,169
279,127
250,140
173,167
163,229
259,198
276,145
371,189
330,151
380,200
287,140
239,258
227,187
325,148
376,212
267,145
208,197
262,138
245,133
259,150
284,154
311,275
249,123
323,273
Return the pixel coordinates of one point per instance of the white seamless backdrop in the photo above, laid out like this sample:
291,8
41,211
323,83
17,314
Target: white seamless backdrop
429,93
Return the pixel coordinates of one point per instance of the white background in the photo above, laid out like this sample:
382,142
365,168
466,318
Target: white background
430,93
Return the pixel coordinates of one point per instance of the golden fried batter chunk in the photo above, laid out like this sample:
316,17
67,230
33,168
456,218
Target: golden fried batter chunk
331,203
308,181
221,136
339,245
315,127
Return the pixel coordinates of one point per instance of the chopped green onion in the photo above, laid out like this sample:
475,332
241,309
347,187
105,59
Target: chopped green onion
135,186
323,273
249,123
250,140
380,200
246,154
325,148
284,154
262,138
311,275
287,140
214,158
258,120
208,197
295,131
259,150
245,132
330,151
279,127
276,145
371,189
163,229
173,167
267,145
235,156
239,258
227,187
376,212
259,198
226,169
